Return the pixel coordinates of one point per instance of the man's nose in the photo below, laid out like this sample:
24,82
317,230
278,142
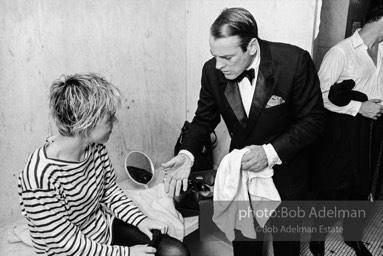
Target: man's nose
219,64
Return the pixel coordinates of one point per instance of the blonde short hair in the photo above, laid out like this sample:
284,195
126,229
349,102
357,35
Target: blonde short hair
78,101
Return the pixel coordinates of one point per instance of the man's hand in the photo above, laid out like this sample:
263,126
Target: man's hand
177,174
140,250
255,160
371,109
148,224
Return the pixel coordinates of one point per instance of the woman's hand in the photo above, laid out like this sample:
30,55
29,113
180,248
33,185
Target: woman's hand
147,224
139,250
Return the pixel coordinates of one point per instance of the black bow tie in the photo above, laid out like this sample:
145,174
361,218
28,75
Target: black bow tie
250,74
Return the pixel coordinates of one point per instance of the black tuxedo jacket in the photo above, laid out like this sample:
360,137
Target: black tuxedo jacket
287,73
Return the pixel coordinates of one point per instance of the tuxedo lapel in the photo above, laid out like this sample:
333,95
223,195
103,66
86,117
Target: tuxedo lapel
234,99
264,86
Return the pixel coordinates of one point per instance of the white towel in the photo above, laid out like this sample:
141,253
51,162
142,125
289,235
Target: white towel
233,209
154,203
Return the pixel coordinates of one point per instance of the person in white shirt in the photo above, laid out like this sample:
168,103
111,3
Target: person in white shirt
349,148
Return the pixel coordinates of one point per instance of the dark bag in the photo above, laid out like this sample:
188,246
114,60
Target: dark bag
203,160
201,179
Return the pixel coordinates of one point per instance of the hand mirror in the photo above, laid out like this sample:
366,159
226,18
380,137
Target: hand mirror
139,167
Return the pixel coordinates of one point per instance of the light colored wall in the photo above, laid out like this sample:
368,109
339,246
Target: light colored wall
138,47
152,50
332,27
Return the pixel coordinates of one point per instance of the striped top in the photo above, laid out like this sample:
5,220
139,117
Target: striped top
69,205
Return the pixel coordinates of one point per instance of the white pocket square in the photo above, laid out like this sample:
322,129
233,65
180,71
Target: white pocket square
274,101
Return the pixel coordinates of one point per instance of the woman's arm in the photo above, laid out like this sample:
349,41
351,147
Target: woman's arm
52,230
115,199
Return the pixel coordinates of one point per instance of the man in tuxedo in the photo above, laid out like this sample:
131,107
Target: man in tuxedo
269,97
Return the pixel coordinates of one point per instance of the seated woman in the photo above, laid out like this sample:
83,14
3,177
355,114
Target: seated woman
68,189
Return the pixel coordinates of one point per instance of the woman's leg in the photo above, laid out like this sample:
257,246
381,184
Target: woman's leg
125,234
170,246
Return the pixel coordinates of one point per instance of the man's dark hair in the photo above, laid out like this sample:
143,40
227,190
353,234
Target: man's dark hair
375,11
235,22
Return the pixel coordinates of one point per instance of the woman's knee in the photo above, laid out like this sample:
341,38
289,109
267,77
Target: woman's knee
172,247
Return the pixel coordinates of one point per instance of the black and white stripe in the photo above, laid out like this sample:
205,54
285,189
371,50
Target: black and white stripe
68,204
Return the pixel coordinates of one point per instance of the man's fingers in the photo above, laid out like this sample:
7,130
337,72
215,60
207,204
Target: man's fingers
178,187
250,147
251,168
168,164
246,158
185,184
246,165
247,161
172,187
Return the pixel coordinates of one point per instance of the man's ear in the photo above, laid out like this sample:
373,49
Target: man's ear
253,46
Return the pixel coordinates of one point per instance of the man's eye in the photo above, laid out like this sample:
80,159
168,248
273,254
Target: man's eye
227,58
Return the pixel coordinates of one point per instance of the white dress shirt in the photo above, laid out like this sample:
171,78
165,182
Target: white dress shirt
349,59
246,90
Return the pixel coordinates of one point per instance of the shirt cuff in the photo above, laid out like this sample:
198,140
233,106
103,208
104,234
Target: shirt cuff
351,108
272,156
354,107
187,153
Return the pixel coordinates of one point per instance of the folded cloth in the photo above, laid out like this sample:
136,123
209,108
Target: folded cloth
239,194
156,204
